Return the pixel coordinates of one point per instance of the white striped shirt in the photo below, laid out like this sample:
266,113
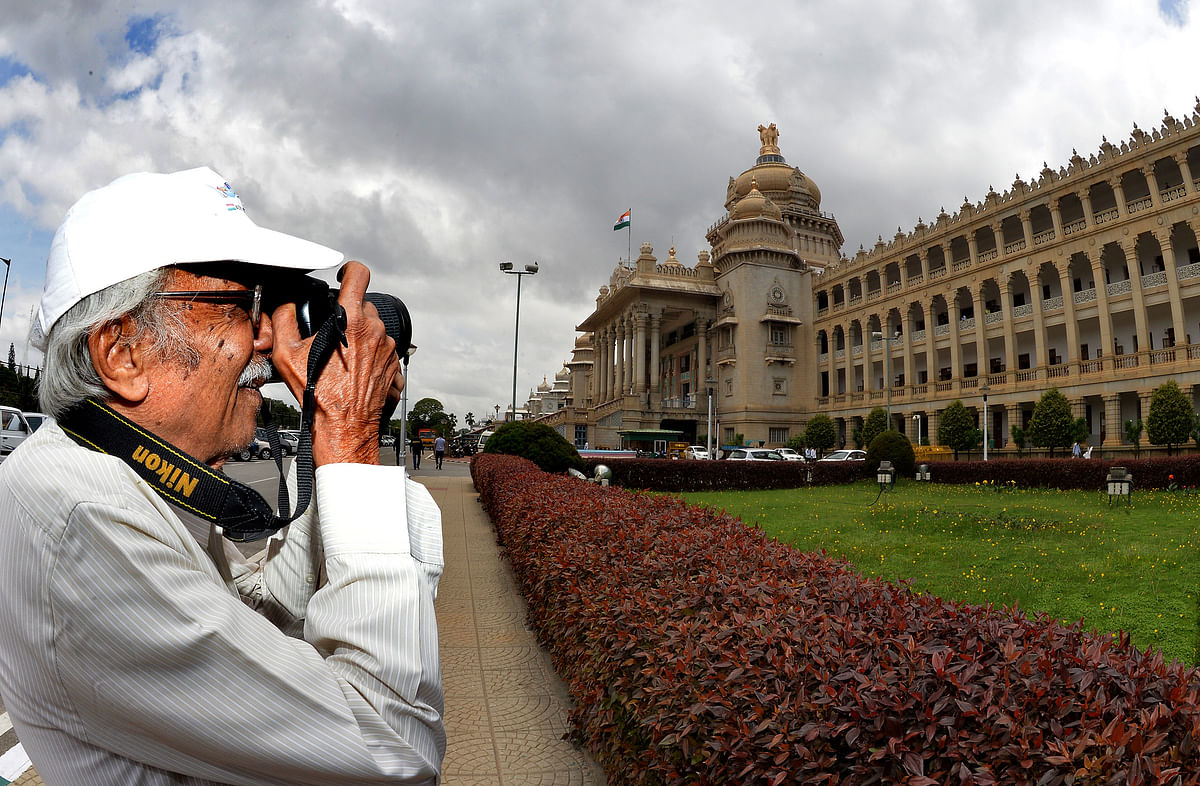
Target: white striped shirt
137,648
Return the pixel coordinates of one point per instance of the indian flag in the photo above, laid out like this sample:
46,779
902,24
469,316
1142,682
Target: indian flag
623,221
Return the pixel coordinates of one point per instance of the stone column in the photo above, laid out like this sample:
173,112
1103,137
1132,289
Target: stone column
956,370
1064,281
1168,253
1152,184
1186,171
1129,248
1010,335
931,363
1027,228
619,376
1144,397
639,356
655,365
1114,429
1013,411
998,234
973,248
1119,195
931,424
1106,335
701,357
629,368
1056,217
1039,330
1089,218
907,348
982,359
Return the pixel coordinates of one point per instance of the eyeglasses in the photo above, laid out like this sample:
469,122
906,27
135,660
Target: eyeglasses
249,299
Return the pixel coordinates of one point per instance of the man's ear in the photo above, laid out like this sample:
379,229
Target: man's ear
122,364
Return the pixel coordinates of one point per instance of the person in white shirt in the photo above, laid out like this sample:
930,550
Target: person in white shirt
439,450
137,645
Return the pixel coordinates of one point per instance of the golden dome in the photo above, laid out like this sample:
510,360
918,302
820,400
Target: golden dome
755,205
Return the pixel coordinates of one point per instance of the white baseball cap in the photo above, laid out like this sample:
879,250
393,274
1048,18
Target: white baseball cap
146,221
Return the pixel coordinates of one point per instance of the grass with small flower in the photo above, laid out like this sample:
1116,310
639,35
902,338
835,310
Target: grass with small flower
1067,553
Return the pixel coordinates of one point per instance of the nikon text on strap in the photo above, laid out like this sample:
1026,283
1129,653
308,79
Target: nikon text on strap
240,511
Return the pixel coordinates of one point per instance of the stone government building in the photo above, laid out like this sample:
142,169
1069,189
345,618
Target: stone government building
1086,279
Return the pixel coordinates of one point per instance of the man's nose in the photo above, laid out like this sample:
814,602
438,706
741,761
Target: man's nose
264,334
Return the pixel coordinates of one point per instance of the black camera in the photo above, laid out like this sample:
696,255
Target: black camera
315,301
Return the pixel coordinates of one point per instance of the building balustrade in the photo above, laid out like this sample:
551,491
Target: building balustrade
823,311
726,353
1125,361
1156,279
841,399
944,386
875,295
679,402
856,351
1027,375
894,287
988,256
1010,248
918,336
916,280
823,357
839,307
938,273
1171,194
1025,310
966,324
1139,205
1188,271
839,354
1119,288
1043,237
1193,352
941,330
1074,226
855,299
1091,366
968,383
1084,296
961,264
856,398
1102,217
993,317
920,389
1158,356
1059,371
877,395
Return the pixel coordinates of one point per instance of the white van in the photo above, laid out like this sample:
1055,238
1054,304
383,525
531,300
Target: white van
14,428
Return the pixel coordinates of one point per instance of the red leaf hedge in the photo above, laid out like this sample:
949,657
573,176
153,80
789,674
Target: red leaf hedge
698,651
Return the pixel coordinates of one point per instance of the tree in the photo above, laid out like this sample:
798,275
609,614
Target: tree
956,428
1052,425
283,413
537,442
428,413
798,444
12,358
1133,433
875,424
1018,437
893,446
820,433
1169,421
470,419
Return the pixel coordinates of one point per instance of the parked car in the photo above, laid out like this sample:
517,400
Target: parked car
387,441
257,448
789,454
289,442
14,428
696,452
36,419
754,454
845,455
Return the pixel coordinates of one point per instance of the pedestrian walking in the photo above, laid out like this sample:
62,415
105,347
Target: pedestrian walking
439,450
415,446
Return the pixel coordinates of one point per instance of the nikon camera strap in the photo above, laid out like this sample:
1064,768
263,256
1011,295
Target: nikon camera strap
239,511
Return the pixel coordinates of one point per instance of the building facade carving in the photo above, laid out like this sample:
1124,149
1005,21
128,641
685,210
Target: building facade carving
1085,278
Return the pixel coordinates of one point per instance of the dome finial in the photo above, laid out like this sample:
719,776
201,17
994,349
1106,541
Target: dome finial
769,135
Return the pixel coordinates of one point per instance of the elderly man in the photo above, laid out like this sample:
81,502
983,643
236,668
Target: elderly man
136,644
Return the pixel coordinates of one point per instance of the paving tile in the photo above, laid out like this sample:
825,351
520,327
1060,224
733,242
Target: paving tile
470,755
518,713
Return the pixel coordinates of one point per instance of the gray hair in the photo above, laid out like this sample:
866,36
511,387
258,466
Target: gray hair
69,375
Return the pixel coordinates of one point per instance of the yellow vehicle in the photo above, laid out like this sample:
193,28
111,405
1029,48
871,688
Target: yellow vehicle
677,450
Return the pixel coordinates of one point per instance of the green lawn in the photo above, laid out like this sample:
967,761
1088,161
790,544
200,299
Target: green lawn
1067,553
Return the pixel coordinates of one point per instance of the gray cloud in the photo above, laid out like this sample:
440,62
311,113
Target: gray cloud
434,139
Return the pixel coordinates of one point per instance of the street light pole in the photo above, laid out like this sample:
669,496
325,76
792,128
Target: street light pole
917,417
710,382
507,267
403,447
984,390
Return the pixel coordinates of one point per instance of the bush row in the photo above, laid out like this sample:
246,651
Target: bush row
698,651
1064,473
690,475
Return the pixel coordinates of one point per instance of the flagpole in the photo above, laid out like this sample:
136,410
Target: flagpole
629,240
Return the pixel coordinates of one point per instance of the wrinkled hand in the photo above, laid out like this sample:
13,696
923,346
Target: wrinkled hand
356,384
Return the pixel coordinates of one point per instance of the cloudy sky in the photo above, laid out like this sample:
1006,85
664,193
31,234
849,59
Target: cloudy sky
435,139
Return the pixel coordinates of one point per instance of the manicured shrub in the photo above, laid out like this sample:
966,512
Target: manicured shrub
892,446
537,442
697,651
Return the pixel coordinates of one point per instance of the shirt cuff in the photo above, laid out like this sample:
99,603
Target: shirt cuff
362,509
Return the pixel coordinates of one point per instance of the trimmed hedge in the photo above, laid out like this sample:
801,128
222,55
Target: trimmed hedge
693,475
1063,473
698,651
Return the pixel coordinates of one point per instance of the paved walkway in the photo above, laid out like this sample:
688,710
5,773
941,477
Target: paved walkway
506,709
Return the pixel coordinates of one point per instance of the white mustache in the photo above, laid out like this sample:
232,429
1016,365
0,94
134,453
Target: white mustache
256,372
